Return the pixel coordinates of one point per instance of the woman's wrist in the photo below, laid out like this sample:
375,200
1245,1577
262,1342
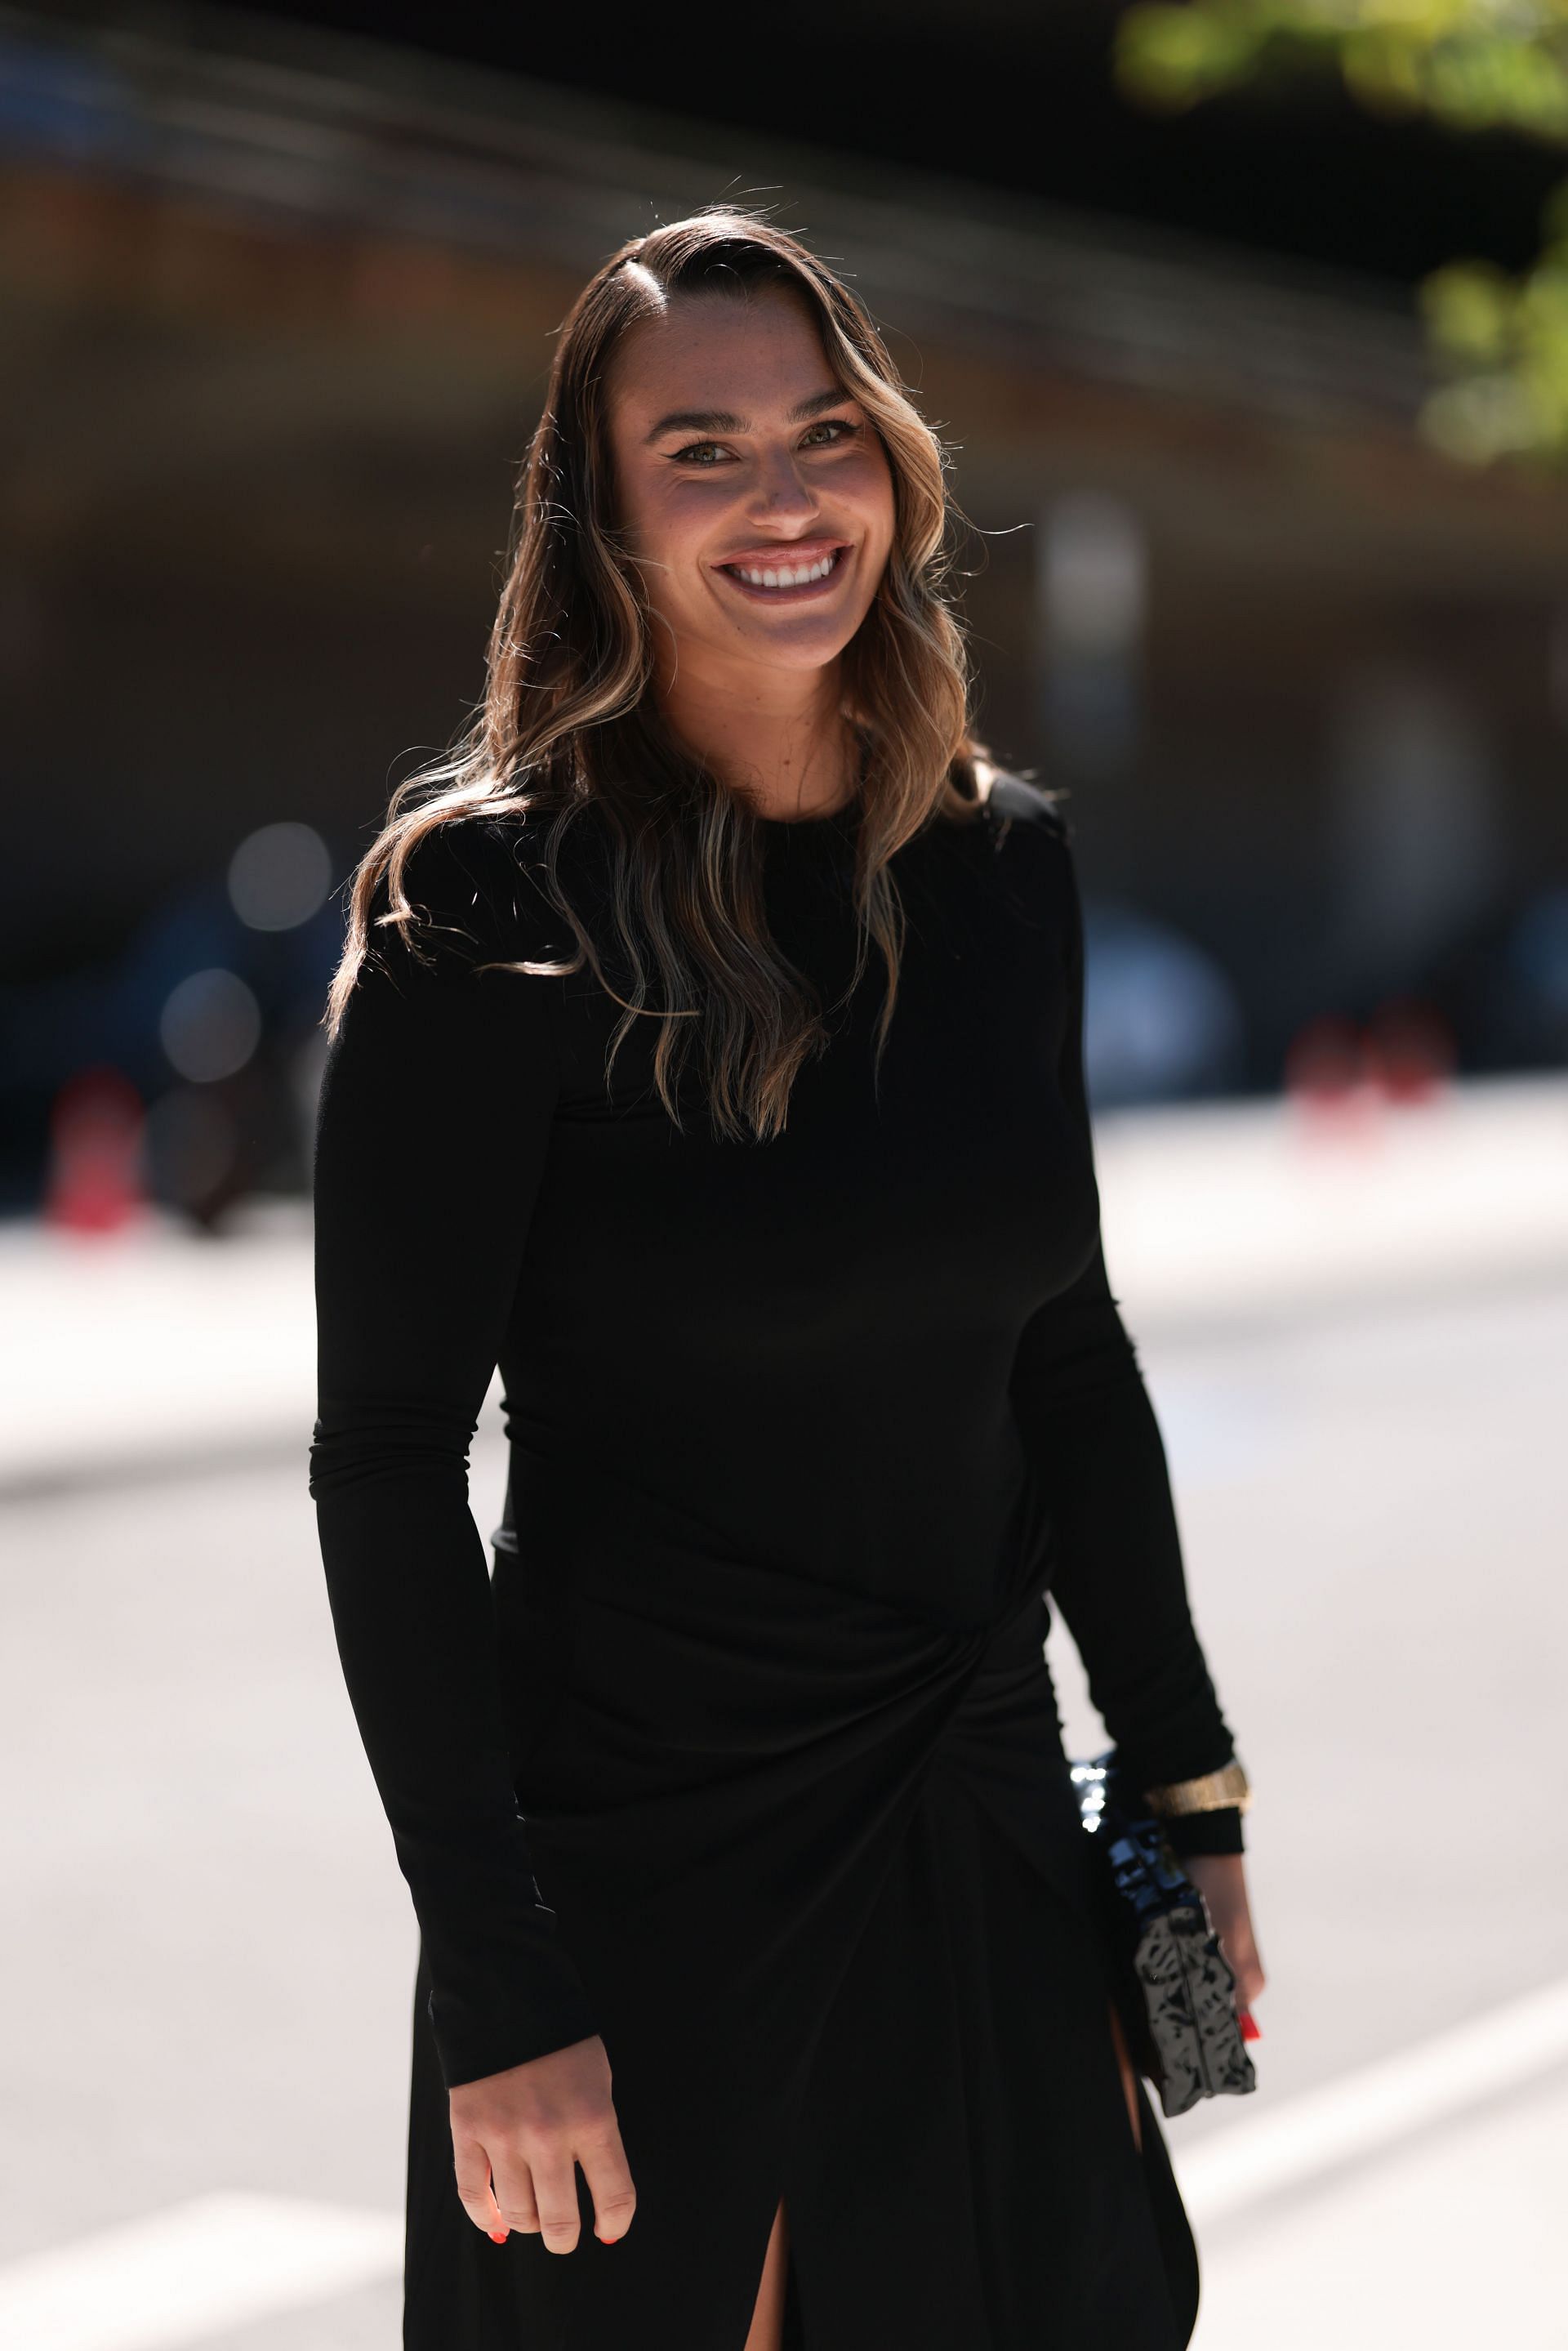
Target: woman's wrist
1210,1791
1216,1831
1202,1814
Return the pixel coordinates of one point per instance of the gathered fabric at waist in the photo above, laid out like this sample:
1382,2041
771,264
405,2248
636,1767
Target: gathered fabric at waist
665,1704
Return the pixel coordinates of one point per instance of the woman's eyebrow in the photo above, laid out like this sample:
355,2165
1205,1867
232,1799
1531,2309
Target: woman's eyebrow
720,420
698,420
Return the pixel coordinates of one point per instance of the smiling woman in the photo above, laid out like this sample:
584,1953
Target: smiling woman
720,406
815,1384
823,477
761,543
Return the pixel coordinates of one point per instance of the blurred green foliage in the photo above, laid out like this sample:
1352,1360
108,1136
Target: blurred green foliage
1469,65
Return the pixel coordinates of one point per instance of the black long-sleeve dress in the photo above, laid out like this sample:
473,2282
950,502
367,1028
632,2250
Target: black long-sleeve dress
747,1756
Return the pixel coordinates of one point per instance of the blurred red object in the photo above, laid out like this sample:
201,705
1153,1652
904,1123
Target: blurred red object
1410,1049
95,1179
1346,1078
1326,1062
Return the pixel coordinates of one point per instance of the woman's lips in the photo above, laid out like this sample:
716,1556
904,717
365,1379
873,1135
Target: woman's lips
787,574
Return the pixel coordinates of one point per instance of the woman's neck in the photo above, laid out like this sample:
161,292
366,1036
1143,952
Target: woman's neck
777,738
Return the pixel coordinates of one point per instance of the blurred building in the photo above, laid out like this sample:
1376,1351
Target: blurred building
275,311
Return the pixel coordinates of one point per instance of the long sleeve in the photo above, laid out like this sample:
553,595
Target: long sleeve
433,1124
1094,1444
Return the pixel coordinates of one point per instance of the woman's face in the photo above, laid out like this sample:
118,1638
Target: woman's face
753,493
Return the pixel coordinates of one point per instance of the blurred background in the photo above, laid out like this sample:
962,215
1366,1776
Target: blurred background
1248,323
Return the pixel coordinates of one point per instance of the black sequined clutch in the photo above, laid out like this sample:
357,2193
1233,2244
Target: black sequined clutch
1189,2044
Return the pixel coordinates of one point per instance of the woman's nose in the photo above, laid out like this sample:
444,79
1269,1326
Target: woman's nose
782,489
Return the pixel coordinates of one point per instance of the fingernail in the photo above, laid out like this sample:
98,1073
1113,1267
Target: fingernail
500,2240
1251,2029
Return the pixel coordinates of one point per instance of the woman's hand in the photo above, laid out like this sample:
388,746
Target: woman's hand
517,2137
1221,1880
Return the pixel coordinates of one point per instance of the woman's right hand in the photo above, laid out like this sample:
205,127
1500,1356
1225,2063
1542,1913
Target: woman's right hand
518,2136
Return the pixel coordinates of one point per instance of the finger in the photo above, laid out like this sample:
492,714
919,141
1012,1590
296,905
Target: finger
471,2166
516,2193
608,2175
1241,1958
556,2194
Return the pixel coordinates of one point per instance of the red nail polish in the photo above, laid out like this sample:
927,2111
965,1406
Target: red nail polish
498,2241
1251,2029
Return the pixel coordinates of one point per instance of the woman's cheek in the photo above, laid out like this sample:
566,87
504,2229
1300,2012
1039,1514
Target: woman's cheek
869,481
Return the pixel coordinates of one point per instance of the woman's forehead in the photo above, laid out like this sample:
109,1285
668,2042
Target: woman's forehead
752,356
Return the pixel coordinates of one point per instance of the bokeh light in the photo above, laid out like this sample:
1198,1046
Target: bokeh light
279,876
210,1025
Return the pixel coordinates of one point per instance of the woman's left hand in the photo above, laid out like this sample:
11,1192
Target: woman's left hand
1221,1880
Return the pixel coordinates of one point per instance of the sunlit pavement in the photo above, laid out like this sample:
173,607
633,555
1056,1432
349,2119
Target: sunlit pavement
208,1987
1451,2241
155,1348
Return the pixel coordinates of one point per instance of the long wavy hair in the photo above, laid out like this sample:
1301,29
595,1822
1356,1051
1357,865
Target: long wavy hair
569,723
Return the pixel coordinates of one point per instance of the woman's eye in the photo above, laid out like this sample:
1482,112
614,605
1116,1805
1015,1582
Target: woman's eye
705,456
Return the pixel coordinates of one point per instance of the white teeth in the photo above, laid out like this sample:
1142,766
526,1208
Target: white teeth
797,575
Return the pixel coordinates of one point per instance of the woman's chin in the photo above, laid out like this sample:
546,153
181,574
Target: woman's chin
802,640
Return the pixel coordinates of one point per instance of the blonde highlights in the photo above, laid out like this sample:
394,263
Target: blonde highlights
569,723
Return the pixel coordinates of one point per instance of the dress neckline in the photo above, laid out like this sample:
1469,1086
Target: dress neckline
811,835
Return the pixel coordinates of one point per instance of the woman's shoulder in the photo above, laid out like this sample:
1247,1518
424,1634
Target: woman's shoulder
1012,802
473,882
1030,836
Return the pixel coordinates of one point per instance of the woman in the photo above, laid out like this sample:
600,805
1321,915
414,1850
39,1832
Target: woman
706,1052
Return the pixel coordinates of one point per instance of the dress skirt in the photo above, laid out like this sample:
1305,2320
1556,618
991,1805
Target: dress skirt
819,1864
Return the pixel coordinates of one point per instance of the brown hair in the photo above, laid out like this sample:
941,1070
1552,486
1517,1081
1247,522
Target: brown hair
567,721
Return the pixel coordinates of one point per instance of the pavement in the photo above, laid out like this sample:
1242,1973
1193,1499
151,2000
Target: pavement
138,1351
211,1964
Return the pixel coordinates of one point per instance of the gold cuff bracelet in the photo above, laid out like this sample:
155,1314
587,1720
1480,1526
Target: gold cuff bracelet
1210,1793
